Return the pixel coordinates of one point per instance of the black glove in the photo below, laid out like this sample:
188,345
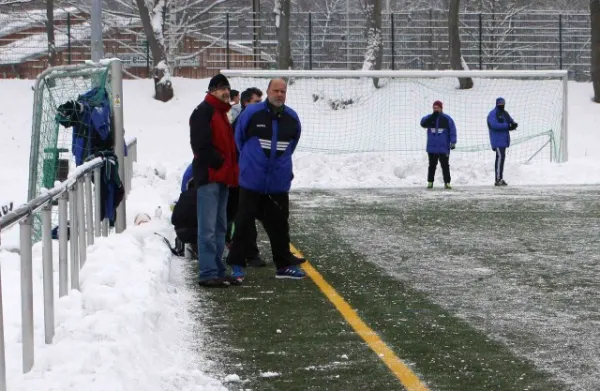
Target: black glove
513,126
452,145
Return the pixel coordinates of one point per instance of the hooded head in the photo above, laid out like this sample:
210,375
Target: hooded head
500,103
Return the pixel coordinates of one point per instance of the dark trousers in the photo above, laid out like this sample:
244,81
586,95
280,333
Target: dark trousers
273,211
499,165
232,208
444,160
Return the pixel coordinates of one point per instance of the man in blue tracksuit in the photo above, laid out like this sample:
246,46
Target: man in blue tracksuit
266,135
500,123
441,138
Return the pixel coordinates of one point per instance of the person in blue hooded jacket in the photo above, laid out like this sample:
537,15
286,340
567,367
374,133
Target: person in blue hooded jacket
441,138
500,124
266,135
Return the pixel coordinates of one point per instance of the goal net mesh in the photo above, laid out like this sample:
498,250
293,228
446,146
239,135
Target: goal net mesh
349,115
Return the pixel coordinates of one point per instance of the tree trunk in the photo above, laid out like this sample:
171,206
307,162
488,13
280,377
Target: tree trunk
456,61
50,32
374,52
163,88
284,51
595,21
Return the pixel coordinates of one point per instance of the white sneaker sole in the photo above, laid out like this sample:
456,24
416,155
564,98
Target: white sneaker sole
289,277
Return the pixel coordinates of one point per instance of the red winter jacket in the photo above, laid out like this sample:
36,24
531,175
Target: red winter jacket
213,145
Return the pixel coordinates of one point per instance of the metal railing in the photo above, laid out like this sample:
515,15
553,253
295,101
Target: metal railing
79,223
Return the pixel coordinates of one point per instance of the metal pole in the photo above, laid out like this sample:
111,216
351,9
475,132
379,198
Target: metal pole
227,39
105,227
480,41
2,347
564,144
148,58
310,40
89,209
392,36
73,239
26,294
47,272
117,91
69,37
97,45
97,202
63,237
348,40
560,42
81,222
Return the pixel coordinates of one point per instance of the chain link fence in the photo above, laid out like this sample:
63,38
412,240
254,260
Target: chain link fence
416,40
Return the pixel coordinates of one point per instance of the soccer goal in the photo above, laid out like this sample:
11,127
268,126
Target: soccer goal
65,101
343,112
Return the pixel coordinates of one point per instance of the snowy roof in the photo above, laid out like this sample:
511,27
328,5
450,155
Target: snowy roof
13,22
35,45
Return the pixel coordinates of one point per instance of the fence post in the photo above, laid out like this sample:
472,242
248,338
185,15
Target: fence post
63,237
560,42
392,38
47,273
73,240
148,59
89,209
97,203
2,348
69,37
26,293
81,223
310,40
480,41
227,38
116,84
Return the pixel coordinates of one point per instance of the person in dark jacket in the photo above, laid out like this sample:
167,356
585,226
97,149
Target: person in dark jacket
253,258
215,168
441,138
500,124
266,135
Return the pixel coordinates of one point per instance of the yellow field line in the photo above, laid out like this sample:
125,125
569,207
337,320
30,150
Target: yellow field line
407,377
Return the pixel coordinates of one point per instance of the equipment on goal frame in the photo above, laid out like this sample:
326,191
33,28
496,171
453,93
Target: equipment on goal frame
342,112
52,155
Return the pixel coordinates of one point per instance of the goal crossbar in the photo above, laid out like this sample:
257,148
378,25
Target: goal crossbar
511,74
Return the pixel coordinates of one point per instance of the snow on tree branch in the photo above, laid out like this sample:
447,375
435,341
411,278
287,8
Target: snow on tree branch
277,12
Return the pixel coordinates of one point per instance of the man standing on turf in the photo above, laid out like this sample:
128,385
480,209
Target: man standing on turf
441,138
215,168
500,123
266,135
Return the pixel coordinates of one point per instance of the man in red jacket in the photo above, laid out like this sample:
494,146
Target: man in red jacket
215,168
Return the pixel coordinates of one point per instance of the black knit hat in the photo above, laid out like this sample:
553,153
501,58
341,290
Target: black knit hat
218,81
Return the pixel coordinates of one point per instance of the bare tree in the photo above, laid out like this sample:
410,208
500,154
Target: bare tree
457,61
374,52
595,21
282,24
50,32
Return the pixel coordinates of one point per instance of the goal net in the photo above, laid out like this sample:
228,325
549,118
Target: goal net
64,98
343,112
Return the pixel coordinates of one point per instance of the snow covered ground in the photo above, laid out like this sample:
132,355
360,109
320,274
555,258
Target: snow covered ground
129,327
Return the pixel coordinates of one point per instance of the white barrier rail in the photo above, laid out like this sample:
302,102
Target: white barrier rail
79,213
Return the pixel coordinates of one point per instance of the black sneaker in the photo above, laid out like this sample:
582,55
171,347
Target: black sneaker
500,182
256,261
214,283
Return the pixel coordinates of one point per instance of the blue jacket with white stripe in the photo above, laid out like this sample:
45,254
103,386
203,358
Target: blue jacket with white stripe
266,139
441,132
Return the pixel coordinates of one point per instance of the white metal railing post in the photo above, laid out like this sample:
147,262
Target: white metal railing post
116,84
73,237
81,222
63,246
2,347
47,273
26,293
105,227
89,208
97,203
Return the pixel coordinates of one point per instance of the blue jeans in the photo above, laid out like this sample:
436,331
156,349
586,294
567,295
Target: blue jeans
212,227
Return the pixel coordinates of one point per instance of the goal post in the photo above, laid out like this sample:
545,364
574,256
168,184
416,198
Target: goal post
342,112
52,140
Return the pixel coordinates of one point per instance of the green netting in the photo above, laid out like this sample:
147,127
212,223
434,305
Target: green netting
51,156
